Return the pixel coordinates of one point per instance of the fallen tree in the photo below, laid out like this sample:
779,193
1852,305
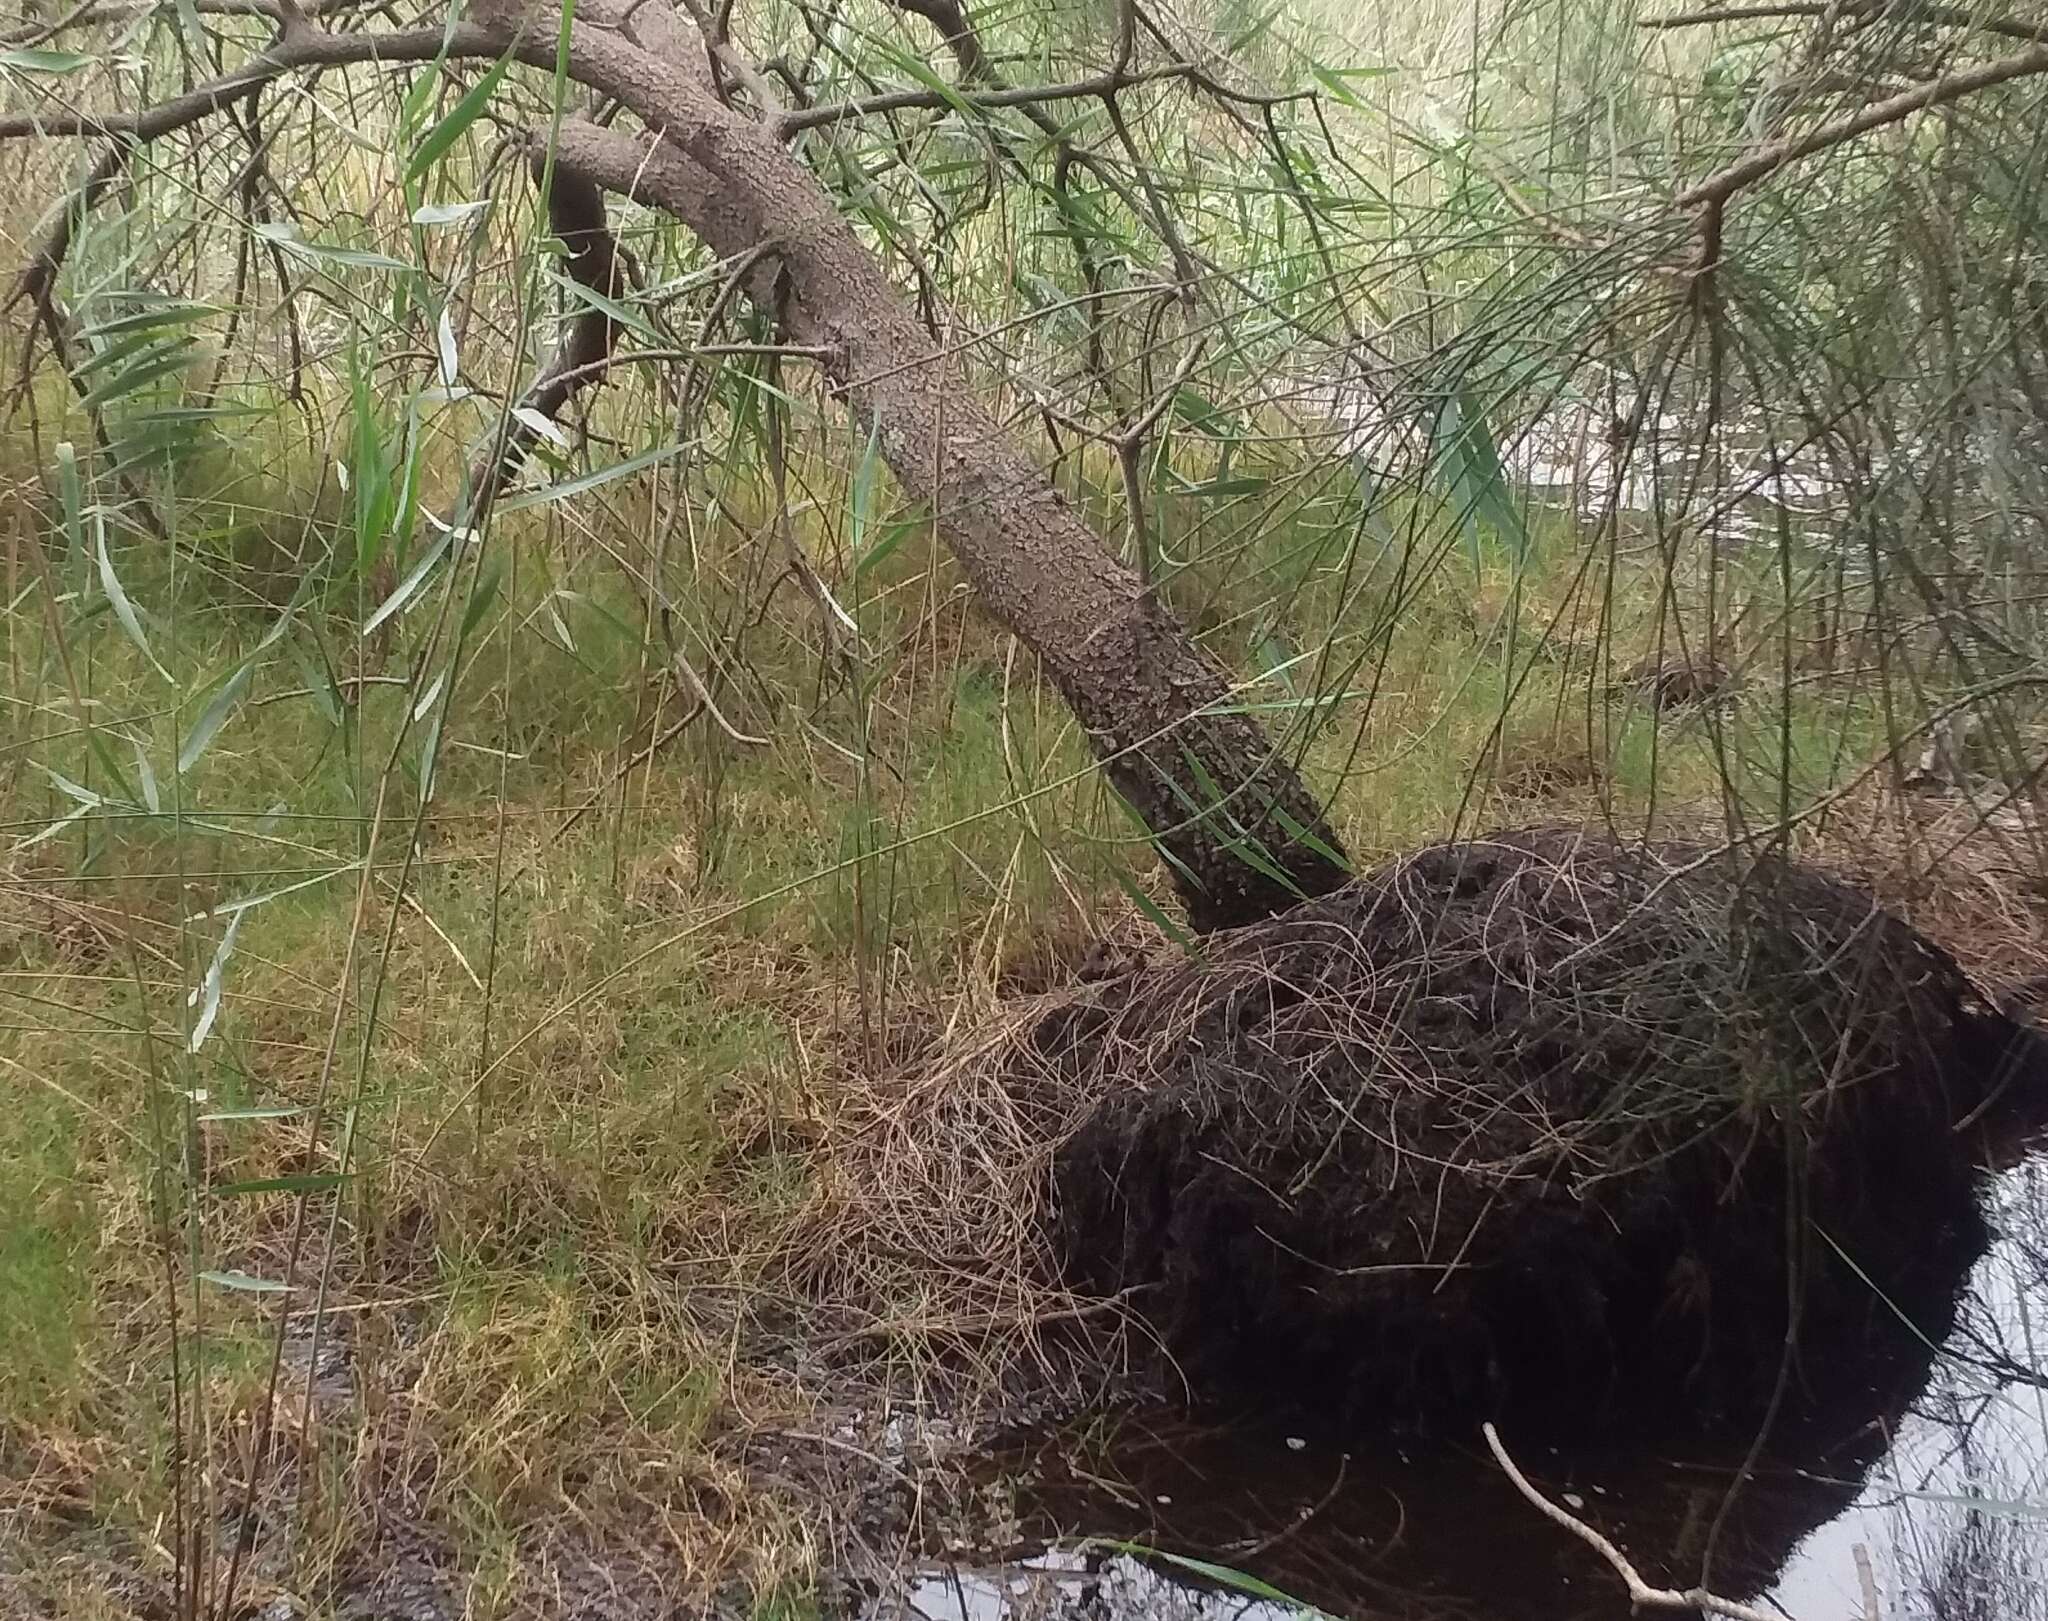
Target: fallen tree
1529,1101
1242,835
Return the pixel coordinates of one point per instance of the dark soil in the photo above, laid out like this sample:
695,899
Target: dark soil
1533,1124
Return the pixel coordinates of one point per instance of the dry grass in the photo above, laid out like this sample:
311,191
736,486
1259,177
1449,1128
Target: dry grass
1966,870
715,1187
602,1312
682,1156
708,1197
927,1231
936,1206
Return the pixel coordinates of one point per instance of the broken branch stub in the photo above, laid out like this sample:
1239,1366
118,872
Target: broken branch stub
576,214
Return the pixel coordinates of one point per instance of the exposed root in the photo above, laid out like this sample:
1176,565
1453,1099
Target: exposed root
1641,1595
1502,1121
929,1231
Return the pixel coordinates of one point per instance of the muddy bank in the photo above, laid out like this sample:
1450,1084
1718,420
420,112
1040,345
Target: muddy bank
1529,1124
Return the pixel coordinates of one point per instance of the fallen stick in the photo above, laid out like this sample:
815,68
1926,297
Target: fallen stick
1640,1593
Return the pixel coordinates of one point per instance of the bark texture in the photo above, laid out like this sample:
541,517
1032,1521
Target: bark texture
1243,836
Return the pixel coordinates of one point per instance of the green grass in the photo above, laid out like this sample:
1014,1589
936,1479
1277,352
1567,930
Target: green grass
556,1192
46,1242
552,1191
572,1041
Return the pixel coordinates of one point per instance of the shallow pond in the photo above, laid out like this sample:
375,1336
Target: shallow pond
1918,1488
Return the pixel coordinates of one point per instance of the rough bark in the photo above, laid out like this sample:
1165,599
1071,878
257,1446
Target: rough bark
1155,708
1117,655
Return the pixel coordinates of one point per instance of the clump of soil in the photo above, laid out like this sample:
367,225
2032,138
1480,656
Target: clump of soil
1530,1121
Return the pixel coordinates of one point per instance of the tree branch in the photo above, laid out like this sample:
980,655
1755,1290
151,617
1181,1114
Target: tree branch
39,275
891,101
92,13
1208,782
1767,160
1942,16
575,215
1640,1593
301,48
1038,570
956,32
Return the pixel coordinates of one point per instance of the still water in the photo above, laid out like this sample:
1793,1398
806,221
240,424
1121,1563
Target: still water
1918,1491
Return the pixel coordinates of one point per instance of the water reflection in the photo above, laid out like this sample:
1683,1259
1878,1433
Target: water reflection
1954,1517
1906,1481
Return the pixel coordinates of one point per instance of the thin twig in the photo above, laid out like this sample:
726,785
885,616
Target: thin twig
1268,1543
92,13
619,774
696,684
1095,85
1640,1593
1942,16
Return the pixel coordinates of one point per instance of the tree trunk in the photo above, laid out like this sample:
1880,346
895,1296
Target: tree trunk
1242,836
576,213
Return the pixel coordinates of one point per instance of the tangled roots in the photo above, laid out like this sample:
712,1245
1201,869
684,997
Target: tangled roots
1527,1117
1535,1121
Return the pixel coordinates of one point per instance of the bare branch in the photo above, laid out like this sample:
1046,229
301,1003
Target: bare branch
1098,84
1767,160
1184,267
696,684
1640,1593
576,215
39,275
50,30
956,31
303,48
1941,16
1130,448
91,13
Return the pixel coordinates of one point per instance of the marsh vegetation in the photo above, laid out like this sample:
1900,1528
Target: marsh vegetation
645,647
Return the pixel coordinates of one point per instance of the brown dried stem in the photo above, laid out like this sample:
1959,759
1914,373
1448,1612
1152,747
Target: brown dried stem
1769,159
